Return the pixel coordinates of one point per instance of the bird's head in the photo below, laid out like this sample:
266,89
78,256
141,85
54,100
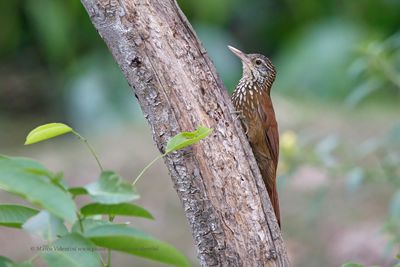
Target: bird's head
256,67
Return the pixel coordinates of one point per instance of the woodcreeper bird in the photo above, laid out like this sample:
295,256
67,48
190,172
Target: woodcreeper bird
252,102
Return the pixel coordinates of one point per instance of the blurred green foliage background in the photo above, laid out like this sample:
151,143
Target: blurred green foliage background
337,99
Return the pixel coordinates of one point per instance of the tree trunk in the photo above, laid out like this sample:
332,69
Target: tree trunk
176,84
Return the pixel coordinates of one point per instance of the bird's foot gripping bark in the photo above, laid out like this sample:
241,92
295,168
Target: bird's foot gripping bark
242,120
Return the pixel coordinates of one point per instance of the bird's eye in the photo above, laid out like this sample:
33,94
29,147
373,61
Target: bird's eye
258,61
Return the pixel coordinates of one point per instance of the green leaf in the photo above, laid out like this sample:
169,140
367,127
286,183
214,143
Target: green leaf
45,225
185,139
47,131
15,215
73,250
352,264
55,178
28,164
5,262
38,169
111,189
77,191
16,177
86,224
124,209
125,239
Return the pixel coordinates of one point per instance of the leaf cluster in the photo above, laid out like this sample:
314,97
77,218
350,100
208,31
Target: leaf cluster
75,236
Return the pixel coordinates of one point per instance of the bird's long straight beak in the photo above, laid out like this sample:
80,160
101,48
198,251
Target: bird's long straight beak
240,55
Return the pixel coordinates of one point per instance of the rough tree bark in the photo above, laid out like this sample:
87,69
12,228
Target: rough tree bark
176,84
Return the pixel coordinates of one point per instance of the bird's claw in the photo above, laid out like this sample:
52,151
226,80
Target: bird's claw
246,128
241,117
238,113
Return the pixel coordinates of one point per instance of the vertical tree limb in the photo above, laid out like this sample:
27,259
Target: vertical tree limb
176,84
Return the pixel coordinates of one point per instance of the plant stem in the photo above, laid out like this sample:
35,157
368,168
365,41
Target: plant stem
80,222
147,167
102,262
110,219
109,258
91,149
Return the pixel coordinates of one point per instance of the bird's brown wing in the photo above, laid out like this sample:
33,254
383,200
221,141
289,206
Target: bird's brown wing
267,115
270,126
